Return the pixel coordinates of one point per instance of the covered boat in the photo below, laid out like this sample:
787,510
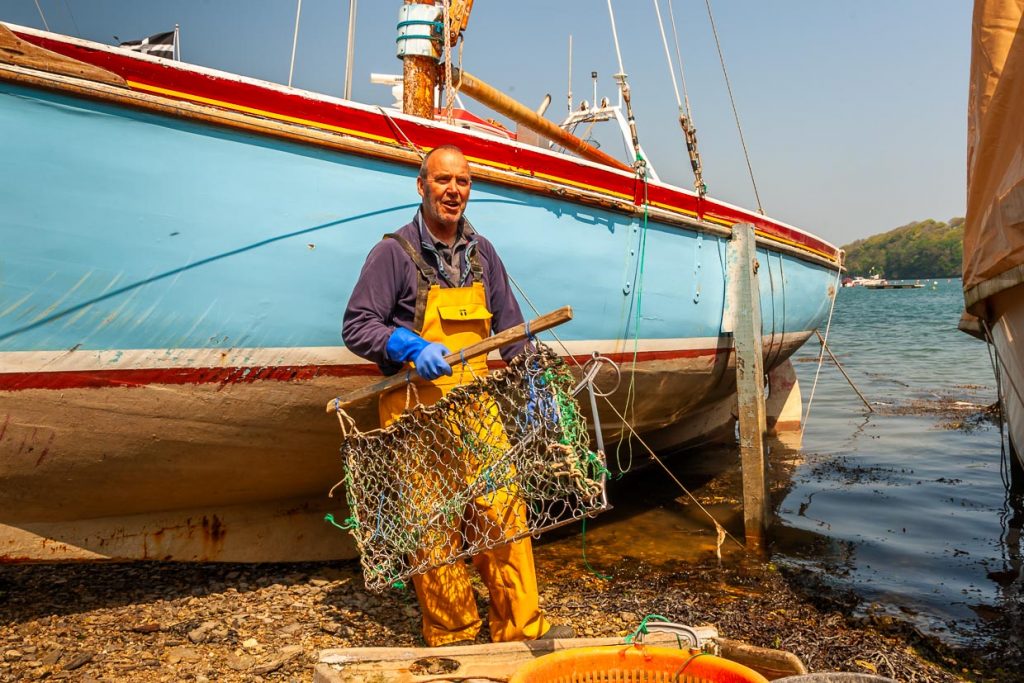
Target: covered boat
994,227
178,247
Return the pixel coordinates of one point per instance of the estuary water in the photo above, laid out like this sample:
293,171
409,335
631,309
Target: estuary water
903,507
906,506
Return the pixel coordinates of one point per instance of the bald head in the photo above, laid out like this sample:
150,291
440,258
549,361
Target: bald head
444,183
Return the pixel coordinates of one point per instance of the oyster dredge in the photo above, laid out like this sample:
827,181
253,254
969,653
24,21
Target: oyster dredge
180,242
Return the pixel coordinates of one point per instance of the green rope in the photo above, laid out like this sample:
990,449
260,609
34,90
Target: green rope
583,541
642,628
630,393
350,524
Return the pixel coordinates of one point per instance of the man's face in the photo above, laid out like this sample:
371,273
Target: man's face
445,190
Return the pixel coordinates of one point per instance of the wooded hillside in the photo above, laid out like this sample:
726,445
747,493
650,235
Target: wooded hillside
926,249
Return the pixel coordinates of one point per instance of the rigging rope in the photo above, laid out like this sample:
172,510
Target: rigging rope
42,16
689,132
449,93
639,163
821,354
630,405
679,58
668,56
568,354
615,39
735,113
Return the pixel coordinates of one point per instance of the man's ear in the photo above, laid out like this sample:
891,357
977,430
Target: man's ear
419,185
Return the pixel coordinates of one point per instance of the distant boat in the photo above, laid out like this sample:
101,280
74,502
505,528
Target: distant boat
994,228
886,284
178,247
860,281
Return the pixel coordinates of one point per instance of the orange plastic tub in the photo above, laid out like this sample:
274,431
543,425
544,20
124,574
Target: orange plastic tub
633,664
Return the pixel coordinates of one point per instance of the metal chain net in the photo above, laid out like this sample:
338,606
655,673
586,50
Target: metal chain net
495,460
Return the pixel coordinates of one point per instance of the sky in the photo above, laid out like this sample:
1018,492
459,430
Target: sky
853,112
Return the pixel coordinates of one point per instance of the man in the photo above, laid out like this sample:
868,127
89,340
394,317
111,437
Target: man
433,287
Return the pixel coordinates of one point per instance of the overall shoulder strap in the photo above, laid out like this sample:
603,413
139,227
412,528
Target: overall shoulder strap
427,278
474,264
426,271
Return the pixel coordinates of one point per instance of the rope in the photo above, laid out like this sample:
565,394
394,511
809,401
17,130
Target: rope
348,525
668,56
583,543
840,366
642,628
630,405
449,92
1000,371
42,16
615,38
735,113
394,126
639,164
515,439
1004,471
689,132
679,58
78,33
295,42
718,527
821,355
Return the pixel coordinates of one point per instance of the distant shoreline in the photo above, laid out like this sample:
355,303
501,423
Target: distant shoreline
909,252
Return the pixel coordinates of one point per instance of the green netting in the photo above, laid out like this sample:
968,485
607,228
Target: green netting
500,458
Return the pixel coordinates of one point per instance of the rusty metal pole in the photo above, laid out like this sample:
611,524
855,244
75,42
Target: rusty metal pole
419,74
742,317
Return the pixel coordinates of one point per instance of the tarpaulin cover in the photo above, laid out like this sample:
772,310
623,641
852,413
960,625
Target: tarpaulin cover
994,230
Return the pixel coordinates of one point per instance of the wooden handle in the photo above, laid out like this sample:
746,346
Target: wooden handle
484,346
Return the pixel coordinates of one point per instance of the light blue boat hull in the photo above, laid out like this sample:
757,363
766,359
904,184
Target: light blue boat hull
171,297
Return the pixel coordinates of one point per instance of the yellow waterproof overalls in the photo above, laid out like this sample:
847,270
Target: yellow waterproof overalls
457,317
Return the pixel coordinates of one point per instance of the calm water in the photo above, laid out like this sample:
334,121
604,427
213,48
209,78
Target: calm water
896,506
912,513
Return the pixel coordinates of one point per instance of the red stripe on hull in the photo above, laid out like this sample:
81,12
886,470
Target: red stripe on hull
422,134
100,379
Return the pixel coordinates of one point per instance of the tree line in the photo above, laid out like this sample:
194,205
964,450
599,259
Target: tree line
925,249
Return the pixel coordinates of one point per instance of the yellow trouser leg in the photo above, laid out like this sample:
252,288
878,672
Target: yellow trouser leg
448,604
507,570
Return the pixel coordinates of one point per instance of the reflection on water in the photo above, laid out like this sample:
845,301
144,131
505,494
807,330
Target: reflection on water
904,507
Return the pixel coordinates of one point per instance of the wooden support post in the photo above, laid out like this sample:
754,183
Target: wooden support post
742,316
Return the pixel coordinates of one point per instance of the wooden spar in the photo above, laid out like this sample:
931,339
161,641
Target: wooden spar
503,338
503,104
419,79
743,318
15,51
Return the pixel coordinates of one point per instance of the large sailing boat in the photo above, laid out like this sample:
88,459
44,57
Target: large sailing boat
179,244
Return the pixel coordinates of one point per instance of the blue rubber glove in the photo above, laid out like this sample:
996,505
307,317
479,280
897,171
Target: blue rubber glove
430,362
405,345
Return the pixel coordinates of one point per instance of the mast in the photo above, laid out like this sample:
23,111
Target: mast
419,49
